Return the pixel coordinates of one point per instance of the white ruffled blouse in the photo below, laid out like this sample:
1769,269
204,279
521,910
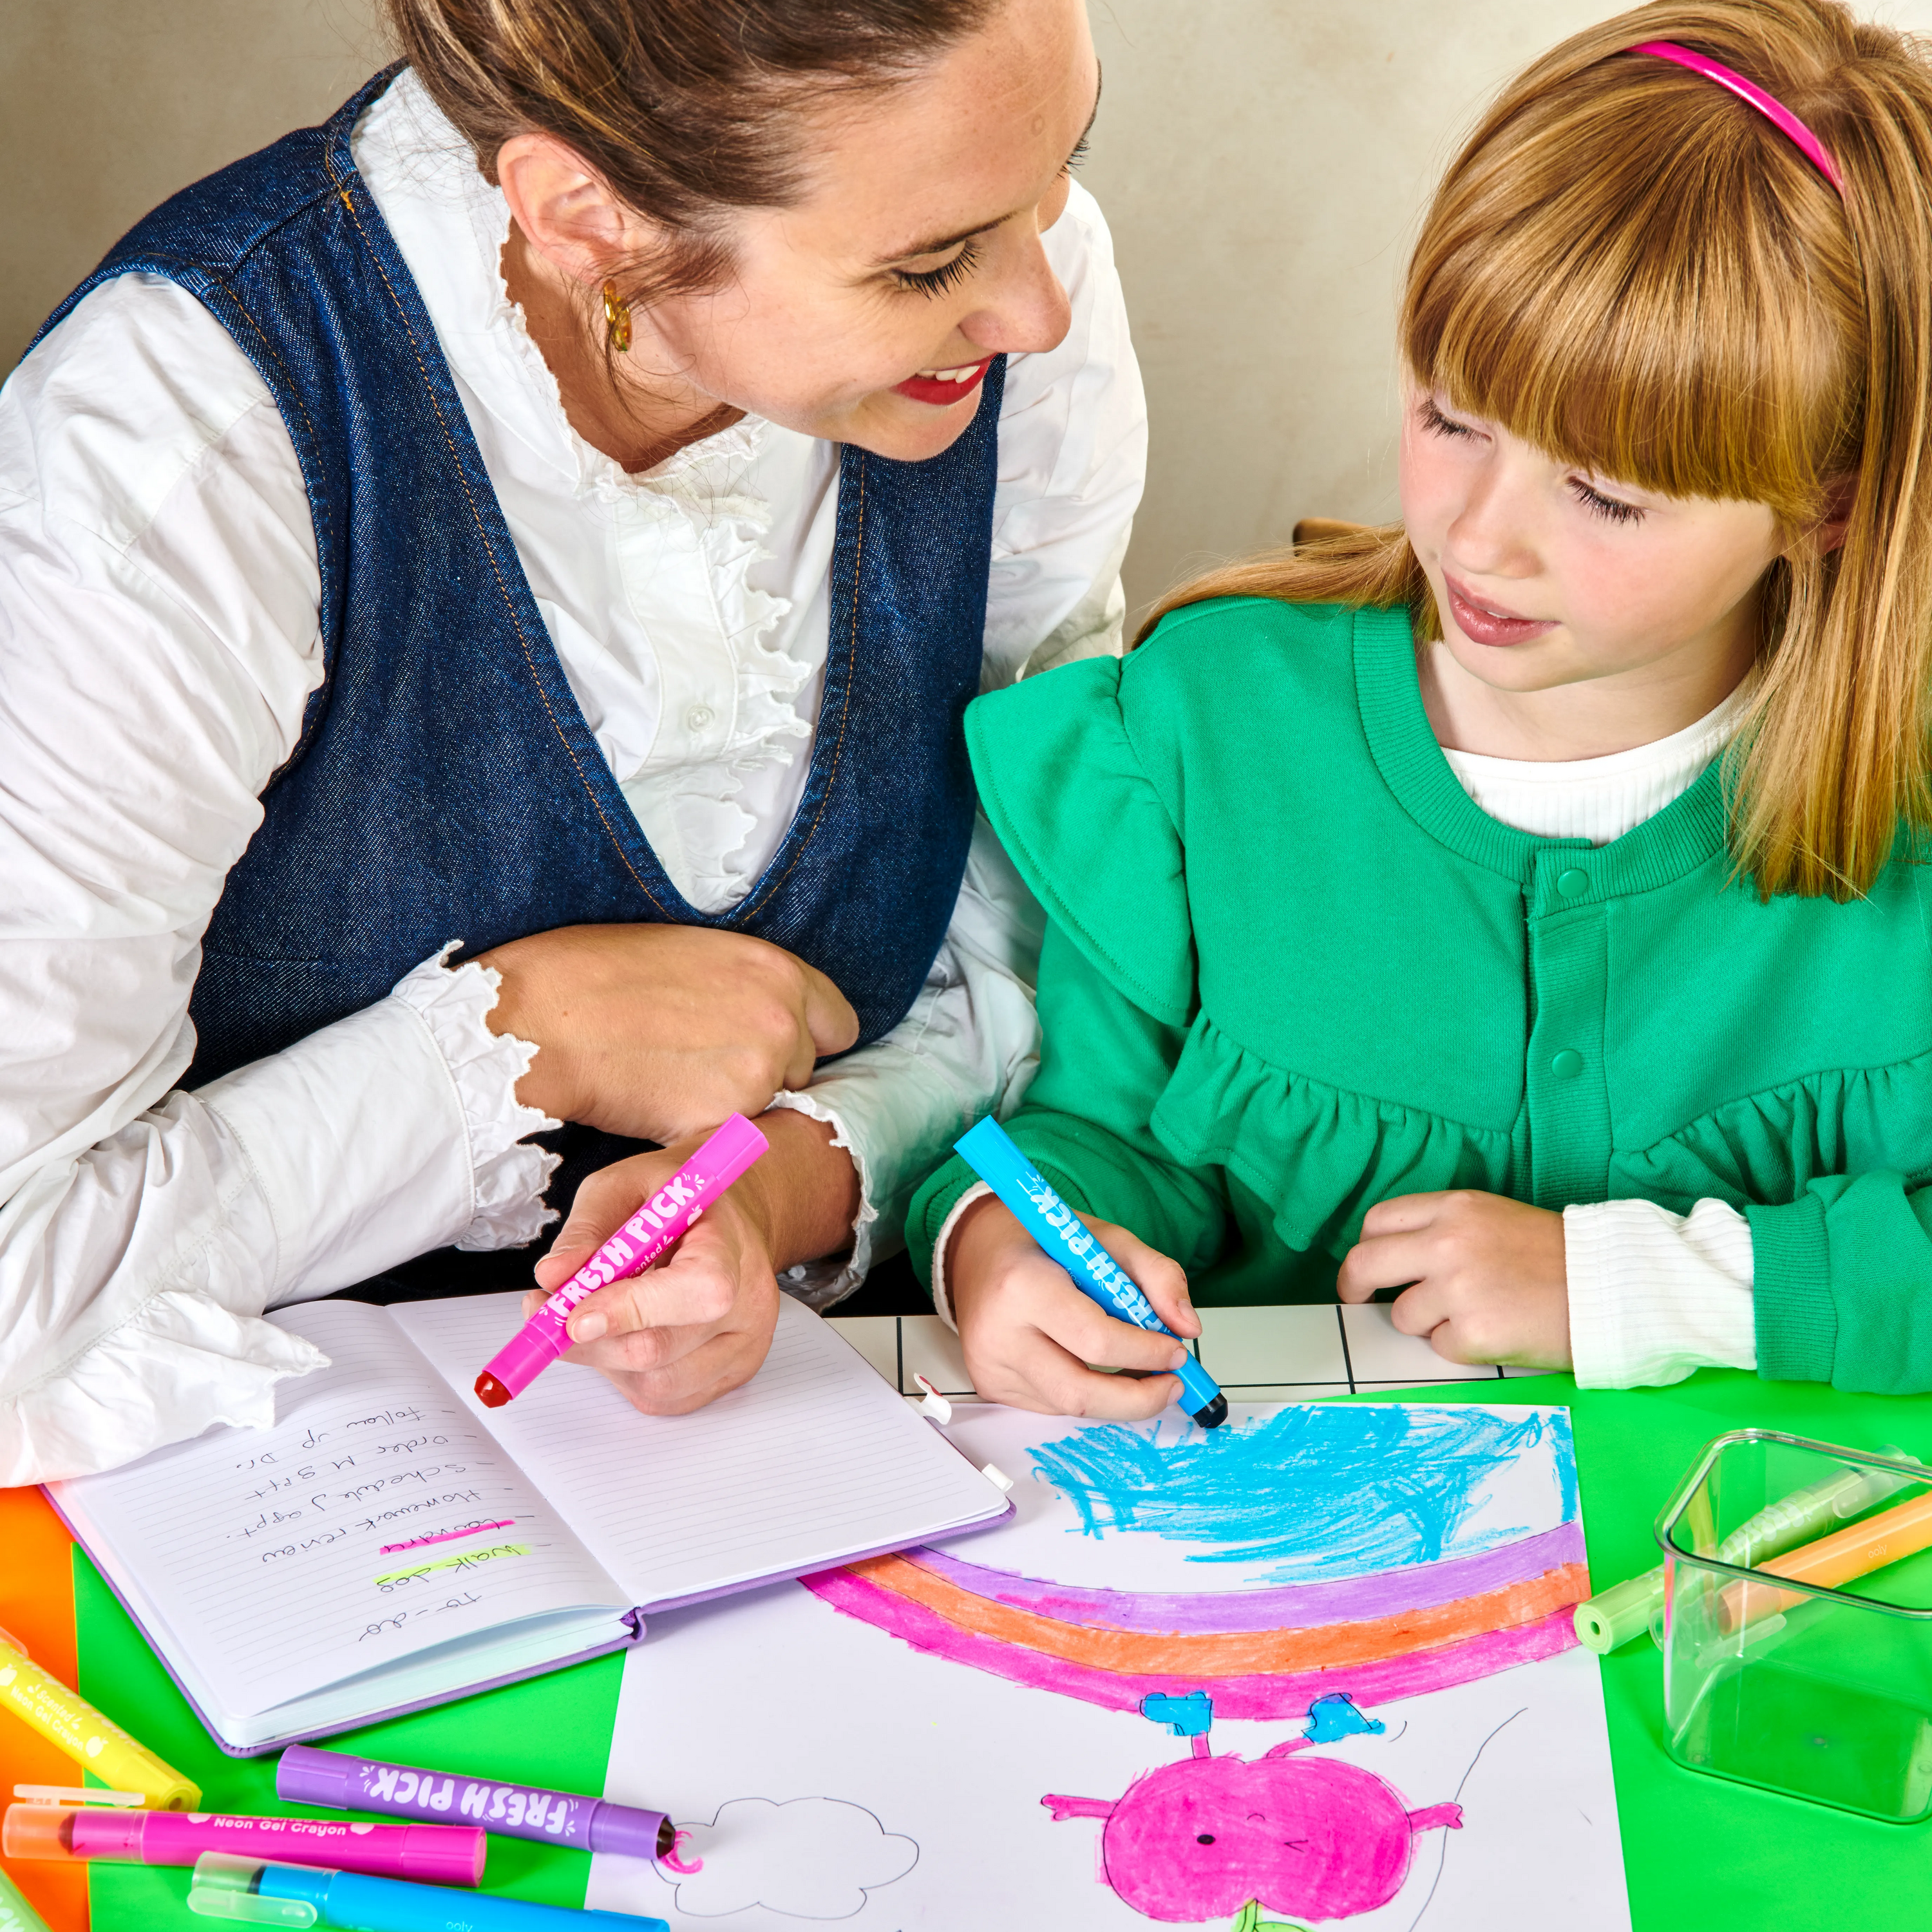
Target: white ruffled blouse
158,640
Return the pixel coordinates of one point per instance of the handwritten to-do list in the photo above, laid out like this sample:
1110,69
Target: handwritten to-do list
396,1523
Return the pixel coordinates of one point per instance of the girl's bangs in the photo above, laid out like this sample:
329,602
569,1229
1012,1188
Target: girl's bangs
1616,314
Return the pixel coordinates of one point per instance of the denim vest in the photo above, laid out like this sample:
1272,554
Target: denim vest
445,785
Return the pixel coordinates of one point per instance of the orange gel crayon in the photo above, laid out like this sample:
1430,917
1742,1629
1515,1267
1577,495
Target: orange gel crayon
1854,1551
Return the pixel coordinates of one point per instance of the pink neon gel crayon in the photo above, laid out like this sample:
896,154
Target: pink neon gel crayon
638,1242
444,1854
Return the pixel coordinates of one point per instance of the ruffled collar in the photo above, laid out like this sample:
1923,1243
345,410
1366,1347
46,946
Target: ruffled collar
434,195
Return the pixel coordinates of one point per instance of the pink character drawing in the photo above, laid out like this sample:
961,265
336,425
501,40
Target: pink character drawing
1214,1836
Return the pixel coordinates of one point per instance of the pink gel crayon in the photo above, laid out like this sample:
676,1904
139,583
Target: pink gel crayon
638,1242
442,1854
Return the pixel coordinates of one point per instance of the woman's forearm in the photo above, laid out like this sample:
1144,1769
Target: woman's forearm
804,1191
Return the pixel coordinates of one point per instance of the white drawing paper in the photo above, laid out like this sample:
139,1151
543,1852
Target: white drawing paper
1314,1668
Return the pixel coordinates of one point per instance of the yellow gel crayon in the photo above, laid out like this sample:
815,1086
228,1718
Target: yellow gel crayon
67,1721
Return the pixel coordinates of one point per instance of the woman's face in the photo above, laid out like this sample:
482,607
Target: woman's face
868,311
1547,576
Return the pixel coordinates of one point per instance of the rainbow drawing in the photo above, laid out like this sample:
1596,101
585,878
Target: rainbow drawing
1404,1626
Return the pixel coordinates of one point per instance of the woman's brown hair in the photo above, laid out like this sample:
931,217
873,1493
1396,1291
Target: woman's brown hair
685,109
1631,269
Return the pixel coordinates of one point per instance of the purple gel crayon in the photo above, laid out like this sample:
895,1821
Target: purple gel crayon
306,1776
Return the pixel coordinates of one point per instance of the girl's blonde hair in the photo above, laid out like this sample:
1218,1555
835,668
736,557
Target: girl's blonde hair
1634,270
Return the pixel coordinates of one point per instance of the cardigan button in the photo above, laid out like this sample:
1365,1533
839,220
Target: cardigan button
1573,882
1567,1064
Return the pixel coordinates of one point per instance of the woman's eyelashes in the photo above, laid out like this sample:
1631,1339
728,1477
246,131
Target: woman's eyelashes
948,274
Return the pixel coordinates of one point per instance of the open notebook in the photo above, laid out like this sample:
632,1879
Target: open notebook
390,1542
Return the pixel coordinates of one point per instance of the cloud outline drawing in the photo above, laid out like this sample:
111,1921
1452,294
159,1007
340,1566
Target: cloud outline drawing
804,1858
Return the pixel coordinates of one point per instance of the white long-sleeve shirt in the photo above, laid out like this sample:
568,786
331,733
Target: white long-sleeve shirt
159,637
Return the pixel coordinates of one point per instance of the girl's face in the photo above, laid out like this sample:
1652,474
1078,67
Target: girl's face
1547,577
869,310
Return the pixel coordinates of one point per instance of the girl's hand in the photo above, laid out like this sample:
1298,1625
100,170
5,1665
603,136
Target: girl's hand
699,1322
1028,1333
657,1031
1488,1276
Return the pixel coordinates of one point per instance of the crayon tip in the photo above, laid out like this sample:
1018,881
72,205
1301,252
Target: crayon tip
1213,1414
492,1394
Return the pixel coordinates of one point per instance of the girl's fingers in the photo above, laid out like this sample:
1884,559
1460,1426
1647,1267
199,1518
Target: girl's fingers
1420,1310
1448,1342
1403,1215
1039,1375
1162,1280
1089,1334
1382,1260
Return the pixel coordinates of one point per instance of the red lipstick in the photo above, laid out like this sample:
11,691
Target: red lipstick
943,390
1482,623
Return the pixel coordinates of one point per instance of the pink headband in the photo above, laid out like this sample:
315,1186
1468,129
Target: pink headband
1780,116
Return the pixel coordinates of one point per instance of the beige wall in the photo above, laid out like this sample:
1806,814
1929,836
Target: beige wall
1262,162
107,107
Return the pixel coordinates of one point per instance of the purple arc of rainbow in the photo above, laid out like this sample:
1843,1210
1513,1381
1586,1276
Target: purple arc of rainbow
1262,1653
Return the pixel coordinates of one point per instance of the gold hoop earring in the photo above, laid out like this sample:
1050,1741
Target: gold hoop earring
616,319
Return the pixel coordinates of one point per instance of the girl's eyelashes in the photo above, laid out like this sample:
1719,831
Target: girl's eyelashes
1071,164
948,274
1437,424
1612,509
1609,507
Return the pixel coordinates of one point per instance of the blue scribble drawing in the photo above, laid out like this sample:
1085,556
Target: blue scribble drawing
1311,1491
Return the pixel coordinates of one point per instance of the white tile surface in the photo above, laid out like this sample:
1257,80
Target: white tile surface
876,1337
1254,1347
1380,1355
930,1348
1273,1354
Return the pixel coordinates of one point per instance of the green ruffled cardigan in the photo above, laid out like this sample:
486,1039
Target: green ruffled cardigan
1291,969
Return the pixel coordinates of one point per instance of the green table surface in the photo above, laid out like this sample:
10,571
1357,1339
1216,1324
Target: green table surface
1697,1851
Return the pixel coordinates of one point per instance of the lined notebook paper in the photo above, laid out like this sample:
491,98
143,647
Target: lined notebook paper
223,1535
815,1454
390,1542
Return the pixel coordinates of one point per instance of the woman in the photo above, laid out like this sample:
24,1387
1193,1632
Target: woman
548,518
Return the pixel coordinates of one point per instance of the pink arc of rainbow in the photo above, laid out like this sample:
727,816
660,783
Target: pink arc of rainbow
1288,1695
1388,1635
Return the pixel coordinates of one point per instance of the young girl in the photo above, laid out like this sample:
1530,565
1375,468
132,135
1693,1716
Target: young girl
1524,907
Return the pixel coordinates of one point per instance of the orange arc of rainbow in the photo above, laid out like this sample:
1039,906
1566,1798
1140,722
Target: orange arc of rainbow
1219,1654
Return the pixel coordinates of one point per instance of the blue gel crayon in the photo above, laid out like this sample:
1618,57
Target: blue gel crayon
256,1892
989,1151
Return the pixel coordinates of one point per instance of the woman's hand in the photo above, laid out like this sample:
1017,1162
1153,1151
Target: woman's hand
1488,1276
1028,1333
700,1321
659,1031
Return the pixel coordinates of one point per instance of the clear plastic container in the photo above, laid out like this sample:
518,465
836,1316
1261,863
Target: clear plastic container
1821,1691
